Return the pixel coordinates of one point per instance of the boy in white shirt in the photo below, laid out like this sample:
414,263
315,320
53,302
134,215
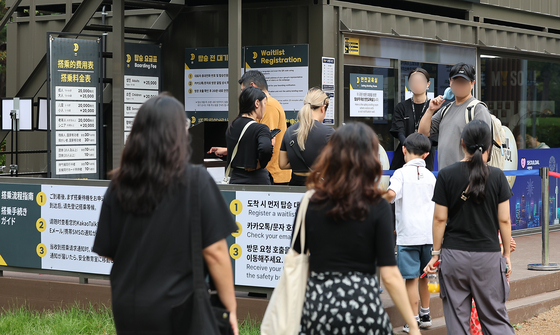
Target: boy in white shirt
411,189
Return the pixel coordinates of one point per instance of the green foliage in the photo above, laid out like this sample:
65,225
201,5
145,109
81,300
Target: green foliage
75,320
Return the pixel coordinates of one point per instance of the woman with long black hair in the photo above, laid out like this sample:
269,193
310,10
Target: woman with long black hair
253,140
472,208
145,220
408,113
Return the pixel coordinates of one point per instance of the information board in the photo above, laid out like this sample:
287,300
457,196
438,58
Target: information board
142,79
74,96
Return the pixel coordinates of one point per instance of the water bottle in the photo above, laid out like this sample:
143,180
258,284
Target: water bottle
433,283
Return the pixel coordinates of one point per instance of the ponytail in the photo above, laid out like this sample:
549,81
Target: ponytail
305,118
247,100
315,98
477,140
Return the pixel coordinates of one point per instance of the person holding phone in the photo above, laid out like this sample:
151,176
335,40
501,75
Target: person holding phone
305,139
274,117
472,208
253,140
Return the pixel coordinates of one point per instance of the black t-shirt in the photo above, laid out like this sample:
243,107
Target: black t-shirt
317,138
255,144
471,226
349,245
152,269
405,117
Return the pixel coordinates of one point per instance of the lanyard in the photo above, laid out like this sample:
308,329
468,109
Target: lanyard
417,122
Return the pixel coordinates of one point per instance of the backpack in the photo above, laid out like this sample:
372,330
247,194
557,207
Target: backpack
497,157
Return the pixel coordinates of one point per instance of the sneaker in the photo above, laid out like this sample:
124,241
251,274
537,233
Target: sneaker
406,328
425,321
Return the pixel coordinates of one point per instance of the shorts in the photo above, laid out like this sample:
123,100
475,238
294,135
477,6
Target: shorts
412,259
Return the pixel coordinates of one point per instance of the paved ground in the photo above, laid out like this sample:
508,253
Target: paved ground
545,323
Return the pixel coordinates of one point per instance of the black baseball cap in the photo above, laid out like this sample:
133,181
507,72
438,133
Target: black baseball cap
463,70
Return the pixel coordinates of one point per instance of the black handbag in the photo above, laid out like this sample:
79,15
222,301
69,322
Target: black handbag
200,312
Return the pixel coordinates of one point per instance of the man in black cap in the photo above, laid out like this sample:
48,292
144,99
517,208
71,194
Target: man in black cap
447,123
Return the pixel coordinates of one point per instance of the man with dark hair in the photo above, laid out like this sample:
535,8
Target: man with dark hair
447,123
275,118
254,77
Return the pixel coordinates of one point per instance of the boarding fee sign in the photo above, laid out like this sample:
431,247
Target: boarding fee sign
75,119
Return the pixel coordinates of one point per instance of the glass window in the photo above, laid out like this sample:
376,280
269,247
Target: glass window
522,94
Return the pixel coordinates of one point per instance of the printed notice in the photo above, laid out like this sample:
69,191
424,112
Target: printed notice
366,95
265,221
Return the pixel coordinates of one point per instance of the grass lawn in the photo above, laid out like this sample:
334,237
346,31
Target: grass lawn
74,321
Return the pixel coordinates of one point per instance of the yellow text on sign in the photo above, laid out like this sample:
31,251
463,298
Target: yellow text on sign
41,225
41,199
351,46
235,251
41,250
235,207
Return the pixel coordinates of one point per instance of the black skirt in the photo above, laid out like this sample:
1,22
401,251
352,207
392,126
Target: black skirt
337,303
256,177
297,180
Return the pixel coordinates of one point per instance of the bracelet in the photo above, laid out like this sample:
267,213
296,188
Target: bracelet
436,252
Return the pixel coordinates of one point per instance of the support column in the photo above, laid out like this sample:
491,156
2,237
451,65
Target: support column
234,55
118,83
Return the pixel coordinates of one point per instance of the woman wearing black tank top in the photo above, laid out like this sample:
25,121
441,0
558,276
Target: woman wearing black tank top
305,139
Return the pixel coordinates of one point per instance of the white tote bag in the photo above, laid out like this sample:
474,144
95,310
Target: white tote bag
283,314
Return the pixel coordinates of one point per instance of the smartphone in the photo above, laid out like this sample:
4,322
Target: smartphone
274,132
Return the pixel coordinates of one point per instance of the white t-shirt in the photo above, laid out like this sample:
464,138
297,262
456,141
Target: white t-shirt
413,185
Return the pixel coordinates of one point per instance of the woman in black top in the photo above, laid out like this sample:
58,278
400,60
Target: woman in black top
407,116
305,139
255,148
144,224
472,208
349,232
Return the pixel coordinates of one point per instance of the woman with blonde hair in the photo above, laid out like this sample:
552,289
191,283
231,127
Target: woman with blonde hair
304,140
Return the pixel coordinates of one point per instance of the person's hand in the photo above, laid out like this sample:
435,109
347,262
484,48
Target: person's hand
508,262
218,151
430,268
233,322
436,103
512,245
273,140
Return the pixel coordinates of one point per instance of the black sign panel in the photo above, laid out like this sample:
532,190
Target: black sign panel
74,96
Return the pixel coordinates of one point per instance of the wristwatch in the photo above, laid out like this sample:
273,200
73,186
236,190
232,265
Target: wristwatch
436,252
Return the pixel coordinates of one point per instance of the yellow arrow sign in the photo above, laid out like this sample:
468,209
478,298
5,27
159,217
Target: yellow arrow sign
2,261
